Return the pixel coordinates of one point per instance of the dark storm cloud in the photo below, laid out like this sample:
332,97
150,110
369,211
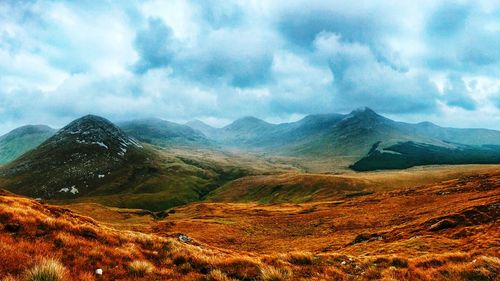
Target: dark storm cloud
155,45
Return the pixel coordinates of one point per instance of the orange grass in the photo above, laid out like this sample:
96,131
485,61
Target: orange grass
445,231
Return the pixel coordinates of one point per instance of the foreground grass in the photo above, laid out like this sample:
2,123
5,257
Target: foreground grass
457,241
46,270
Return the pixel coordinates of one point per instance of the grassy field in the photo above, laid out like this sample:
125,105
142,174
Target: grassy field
424,223
308,187
163,179
439,231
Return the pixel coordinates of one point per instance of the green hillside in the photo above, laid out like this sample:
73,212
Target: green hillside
408,154
164,133
22,139
93,160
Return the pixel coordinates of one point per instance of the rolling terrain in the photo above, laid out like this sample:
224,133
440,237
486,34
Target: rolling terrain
153,200
362,140
441,231
299,187
91,159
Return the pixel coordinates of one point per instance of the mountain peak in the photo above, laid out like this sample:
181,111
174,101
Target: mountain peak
94,130
79,156
22,139
250,119
195,124
364,113
363,110
247,122
28,130
363,117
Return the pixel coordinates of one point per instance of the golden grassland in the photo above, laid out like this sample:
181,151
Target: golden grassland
438,231
299,187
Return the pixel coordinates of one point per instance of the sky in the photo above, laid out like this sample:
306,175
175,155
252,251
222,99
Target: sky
217,61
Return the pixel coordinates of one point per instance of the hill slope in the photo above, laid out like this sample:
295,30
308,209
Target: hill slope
351,137
408,154
76,160
209,131
311,187
22,139
442,231
92,160
164,133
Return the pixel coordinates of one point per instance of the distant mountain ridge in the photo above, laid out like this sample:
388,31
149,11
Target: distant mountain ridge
92,159
18,141
204,128
341,134
350,137
164,133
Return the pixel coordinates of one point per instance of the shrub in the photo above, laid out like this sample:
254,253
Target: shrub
399,262
270,273
47,270
141,268
301,258
240,267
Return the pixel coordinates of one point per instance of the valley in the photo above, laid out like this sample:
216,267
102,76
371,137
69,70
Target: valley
260,140
330,197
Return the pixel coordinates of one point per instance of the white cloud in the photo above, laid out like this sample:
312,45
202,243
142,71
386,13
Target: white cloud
273,59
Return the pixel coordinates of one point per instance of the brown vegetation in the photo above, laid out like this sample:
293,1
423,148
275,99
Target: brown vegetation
444,231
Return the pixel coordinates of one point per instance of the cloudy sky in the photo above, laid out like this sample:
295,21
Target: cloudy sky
277,60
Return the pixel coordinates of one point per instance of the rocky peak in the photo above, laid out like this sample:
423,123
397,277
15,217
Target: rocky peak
94,130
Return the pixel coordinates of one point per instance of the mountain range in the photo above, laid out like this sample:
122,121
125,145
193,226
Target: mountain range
157,164
352,135
91,159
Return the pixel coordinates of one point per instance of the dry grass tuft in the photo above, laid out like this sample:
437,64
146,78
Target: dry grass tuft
270,273
218,275
300,258
47,270
141,268
86,276
10,278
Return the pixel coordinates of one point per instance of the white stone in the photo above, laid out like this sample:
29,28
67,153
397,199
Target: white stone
98,271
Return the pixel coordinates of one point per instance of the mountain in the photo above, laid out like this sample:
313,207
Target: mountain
201,126
463,136
164,133
93,160
351,137
322,135
355,133
244,132
22,139
76,160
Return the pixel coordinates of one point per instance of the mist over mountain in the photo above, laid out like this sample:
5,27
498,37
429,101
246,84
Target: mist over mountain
164,133
360,135
207,130
350,134
91,159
